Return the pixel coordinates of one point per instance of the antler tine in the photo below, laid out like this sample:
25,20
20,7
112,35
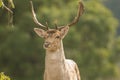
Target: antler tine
80,12
56,26
35,19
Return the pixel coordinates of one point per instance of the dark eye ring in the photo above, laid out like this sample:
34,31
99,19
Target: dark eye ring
57,37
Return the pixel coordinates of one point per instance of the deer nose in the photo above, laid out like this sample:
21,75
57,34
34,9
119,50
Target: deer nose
46,44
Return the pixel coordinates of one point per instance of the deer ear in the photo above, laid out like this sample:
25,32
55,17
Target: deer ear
64,31
39,32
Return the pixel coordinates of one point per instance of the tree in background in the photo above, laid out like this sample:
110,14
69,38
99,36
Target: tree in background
89,43
98,32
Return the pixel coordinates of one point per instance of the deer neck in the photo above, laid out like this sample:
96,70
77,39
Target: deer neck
55,64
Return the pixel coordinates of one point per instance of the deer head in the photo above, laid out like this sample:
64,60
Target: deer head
53,37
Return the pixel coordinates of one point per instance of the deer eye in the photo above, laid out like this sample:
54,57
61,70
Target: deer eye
57,37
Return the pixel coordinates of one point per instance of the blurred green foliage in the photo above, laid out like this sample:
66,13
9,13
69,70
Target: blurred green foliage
0,3
10,1
3,76
94,45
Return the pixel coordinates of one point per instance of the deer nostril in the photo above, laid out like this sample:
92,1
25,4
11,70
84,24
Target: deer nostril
46,44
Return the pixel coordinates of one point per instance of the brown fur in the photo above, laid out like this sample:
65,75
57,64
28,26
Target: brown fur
57,67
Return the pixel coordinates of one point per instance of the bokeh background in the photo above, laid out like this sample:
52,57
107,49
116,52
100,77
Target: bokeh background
94,42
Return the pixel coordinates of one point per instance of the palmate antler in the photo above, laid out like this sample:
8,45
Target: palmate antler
76,19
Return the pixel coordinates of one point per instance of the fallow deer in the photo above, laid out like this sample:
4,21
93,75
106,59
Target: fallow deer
57,67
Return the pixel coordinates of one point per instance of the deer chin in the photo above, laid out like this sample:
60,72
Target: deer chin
51,49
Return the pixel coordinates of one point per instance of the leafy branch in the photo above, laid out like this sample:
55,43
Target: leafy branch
4,6
3,76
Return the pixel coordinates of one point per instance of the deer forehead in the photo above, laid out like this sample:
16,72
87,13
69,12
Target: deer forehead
53,33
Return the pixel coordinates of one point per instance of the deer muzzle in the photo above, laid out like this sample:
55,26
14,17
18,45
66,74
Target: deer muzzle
46,44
